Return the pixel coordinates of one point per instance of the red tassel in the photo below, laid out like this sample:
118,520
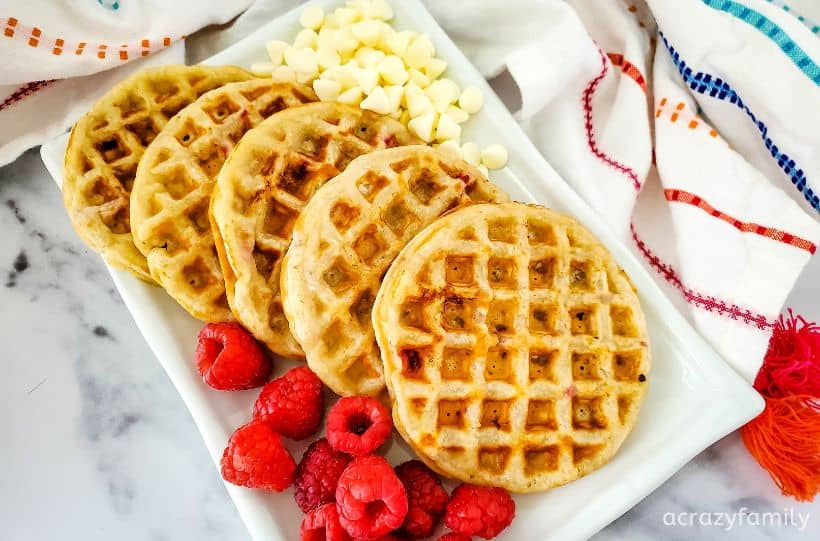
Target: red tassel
785,437
792,363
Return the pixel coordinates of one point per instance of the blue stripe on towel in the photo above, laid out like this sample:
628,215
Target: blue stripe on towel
756,19
715,87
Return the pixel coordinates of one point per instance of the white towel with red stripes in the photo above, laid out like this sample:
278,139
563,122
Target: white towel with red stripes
691,126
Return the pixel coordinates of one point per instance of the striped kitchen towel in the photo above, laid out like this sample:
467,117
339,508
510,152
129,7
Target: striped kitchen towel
58,57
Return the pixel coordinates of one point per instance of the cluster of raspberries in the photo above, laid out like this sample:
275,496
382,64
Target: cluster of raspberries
346,492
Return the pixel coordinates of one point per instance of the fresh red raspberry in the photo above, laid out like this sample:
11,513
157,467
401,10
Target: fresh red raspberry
292,404
481,511
318,475
256,458
453,536
426,498
230,359
358,425
322,524
370,497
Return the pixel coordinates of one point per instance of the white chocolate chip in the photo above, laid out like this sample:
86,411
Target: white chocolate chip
418,104
419,78
394,94
347,42
380,9
302,60
471,154
442,93
457,114
368,32
366,78
305,39
367,57
328,58
326,89
397,42
351,96
450,147
312,17
494,156
275,50
377,101
435,68
392,70
447,128
471,100
419,52
484,170
344,16
423,126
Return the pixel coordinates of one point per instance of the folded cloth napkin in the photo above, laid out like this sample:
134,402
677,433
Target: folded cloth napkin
691,126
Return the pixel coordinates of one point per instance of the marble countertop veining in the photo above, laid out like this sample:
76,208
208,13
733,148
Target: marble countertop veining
96,444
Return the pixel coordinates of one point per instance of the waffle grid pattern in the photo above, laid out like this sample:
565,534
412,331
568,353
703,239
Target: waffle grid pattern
264,186
172,192
106,146
518,353
346,239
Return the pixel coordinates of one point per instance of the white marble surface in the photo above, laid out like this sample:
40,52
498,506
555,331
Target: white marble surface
97,445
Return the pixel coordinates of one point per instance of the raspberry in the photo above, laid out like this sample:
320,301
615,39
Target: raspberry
453,536
229,359
317,475
370,497
426,498
322,524
481,511
292,404
358,425
256,458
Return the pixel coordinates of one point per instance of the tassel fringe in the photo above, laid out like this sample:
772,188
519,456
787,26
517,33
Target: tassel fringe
785,437
785,440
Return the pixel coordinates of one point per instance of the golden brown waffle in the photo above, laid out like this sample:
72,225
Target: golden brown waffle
343,243
107,143
515,349
172,190
268,179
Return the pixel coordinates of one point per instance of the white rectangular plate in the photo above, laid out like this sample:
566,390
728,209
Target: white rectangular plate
694,397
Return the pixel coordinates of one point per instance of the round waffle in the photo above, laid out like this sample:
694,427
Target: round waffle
107,143
343,243
267,180
515,349
172,190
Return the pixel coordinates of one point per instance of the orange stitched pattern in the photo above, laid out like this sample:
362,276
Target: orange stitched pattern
629,69
35,37
681,196
684,114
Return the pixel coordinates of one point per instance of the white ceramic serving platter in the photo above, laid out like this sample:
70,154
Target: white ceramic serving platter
694,397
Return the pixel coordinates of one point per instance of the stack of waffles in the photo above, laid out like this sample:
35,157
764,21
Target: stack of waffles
511,347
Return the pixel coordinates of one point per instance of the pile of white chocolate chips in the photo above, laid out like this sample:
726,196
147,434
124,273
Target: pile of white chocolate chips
354,56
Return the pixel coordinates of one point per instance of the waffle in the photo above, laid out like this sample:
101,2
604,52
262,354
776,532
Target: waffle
515,350
172,190
107,143
264,185
343,243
